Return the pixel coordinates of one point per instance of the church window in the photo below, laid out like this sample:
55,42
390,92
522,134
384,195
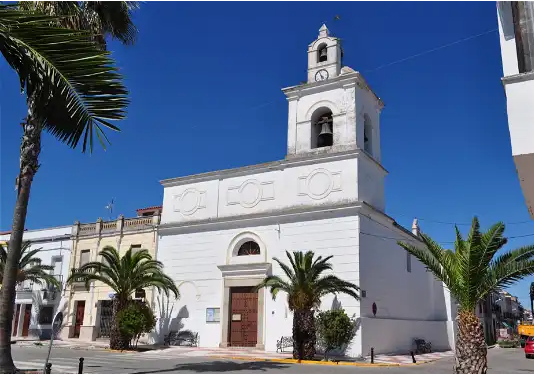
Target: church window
408,262
322,53
249,248
367,135
322,128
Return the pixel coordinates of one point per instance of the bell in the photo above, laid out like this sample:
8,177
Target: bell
323,55
326,137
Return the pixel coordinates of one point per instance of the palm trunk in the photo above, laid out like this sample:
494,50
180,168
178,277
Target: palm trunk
471,350
304,337
29,163
116,339
532,306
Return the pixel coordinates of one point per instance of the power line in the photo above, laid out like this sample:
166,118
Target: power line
440,242
463,40
433,49
460,223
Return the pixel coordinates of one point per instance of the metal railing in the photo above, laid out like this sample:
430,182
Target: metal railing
24,286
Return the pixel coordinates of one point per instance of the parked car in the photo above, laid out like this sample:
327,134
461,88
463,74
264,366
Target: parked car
529,347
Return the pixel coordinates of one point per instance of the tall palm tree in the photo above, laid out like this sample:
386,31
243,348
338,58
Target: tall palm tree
305,285
124,275
471,272
30,268
72,90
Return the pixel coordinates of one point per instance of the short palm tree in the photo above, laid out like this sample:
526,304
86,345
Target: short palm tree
73,91
305,285
471,272
124,275
30,268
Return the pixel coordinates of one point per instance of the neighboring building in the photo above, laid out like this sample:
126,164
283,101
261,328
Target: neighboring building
516,29
36,305
527,315
510,311
489,313
89,311
220,230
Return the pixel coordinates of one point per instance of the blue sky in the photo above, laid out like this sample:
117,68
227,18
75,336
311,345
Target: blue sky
205,84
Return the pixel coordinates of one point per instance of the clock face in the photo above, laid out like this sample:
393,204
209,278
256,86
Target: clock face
321,75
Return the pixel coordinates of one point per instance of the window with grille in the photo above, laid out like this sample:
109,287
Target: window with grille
248,249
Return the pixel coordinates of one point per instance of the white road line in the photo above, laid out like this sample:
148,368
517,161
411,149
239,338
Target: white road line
40,365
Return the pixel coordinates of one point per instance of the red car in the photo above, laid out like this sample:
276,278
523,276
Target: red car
529,347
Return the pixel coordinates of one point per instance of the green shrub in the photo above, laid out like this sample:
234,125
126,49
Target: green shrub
134,320
335,329
508,343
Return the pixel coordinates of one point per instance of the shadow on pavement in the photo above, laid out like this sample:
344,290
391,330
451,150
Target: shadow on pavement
220,366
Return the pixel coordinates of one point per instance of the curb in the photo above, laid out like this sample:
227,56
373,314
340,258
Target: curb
324,363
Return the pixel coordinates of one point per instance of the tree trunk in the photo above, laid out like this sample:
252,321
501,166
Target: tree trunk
29,163
532,306
304,337
471,350
116,339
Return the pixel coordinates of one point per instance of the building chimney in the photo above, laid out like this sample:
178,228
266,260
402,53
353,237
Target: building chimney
415,227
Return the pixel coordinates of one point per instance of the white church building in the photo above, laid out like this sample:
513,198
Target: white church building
220,230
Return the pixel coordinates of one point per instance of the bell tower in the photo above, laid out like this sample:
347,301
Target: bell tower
324,57
335,110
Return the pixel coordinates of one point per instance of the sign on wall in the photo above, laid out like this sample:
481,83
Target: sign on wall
213,314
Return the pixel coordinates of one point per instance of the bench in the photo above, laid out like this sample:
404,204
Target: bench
181,338
422,346
284,342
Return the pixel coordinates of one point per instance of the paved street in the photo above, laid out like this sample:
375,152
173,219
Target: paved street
501,361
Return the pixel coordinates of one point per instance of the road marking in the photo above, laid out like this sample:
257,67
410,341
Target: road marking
40,365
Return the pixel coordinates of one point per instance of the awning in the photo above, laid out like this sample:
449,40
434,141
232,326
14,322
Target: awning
506,325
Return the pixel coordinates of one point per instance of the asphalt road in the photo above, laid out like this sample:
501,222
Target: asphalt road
501,361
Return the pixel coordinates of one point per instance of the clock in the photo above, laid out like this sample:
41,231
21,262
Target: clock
321,75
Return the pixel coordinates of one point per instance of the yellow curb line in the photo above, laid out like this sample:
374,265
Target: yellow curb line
308,362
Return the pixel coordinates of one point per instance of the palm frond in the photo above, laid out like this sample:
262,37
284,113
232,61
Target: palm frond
74,86
472,271
126,274
304,285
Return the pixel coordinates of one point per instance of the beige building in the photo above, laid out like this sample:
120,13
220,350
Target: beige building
88,311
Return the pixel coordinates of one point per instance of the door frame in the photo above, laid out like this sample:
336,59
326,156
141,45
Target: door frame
225,320
77,302
248,289
26,320
17,318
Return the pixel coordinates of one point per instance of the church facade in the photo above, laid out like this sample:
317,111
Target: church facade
220,230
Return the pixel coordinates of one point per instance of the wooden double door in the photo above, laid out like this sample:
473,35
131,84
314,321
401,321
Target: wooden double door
243,317
26,318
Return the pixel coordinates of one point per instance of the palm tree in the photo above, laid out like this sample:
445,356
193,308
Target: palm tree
73,91
124,275
305,286
30,268
471,272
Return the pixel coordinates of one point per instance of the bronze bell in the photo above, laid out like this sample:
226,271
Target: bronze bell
323,55
326,137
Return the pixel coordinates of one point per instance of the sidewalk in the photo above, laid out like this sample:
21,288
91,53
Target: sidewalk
407,359
69,343
254,354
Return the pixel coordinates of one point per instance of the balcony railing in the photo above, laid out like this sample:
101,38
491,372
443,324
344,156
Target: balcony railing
78,280
120,225
24,286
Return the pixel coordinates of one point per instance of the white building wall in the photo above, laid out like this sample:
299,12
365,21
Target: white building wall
410,304
52,243
192,260
277,186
